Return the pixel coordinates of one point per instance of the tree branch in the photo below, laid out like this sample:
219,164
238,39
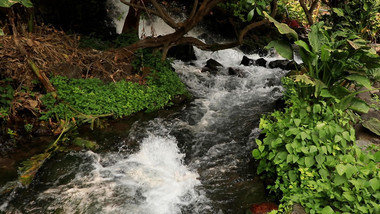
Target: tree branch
194,9
164,15
136,6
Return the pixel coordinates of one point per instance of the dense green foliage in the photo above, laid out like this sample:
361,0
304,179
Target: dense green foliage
361,17
93,97
310,151
309,148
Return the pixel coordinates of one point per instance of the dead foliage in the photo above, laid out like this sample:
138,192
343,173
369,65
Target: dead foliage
56,53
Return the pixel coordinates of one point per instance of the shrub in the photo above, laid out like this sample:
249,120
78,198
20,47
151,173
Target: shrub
309,149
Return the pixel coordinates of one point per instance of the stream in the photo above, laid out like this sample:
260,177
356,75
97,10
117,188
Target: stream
195,158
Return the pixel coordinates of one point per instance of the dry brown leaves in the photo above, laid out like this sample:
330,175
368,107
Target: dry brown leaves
57,53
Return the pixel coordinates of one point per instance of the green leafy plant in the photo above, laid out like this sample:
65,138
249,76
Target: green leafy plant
360,17
246,10
10,3
90,98
309,150
28,127
332,61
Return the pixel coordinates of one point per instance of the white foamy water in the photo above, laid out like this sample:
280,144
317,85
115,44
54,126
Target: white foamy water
152,181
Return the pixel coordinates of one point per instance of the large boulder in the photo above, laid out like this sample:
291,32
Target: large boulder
182,52
248,62
261,62
278,64
212,66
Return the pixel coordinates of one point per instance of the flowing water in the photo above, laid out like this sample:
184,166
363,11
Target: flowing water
191,159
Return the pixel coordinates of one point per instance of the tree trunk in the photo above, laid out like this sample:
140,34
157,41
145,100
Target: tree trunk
131,23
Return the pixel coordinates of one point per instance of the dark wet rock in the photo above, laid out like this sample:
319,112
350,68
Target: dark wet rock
179,99
278,64
236,72
182,52
247,61
263,208
298,209
284,64
212,66
261,62
293,66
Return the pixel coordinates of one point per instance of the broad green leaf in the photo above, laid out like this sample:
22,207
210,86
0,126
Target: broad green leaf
304,79
324,173
362,80
259,142
320,159
256,153
276,142
281,27
327,210
282,47
10,3
309,161
375,183
351,170
317,108
304,135
1,32
316,37
289,148
338,180
372,124
303,45
349,196
338,11
341,169
292,175
325,53
297,122
292,131
377,156
359,106
305,150
27,3
313,149
281,156
250,15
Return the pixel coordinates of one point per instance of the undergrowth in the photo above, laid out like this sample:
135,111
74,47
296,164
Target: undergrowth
309,149
93,97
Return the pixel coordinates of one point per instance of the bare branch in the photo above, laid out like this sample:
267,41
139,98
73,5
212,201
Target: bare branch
194,9
250,27
164,15
136,6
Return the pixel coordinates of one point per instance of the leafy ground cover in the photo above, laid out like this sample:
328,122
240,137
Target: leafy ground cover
309,148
